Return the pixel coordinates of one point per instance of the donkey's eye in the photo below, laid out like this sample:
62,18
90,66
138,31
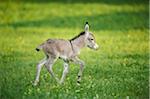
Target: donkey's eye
92,39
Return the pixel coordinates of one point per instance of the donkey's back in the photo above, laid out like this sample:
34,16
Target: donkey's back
56,48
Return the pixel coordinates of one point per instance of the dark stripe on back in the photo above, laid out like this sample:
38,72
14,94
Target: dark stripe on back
82,33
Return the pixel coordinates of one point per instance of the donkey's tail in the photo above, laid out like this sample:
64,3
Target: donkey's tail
39,47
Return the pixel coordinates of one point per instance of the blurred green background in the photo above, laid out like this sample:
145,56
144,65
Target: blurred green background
119,70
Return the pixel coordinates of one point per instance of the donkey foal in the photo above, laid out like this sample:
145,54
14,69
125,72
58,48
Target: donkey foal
67,50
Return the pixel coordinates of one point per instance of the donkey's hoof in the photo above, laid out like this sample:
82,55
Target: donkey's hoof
61,82
35,83
78,83
57,80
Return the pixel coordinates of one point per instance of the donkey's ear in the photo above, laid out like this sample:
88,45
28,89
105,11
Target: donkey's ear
86,28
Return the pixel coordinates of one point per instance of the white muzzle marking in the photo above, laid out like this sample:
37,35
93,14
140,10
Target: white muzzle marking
96,46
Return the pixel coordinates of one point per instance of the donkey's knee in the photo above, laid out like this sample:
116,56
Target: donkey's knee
38,66
82,64
66,68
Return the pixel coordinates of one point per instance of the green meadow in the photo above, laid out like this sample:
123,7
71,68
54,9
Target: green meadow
118,70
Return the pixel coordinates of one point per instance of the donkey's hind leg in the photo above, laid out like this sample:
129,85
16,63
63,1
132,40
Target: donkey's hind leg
49,65
39,66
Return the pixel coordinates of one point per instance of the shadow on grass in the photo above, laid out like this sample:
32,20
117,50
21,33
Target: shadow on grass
116,2
15,75
114,21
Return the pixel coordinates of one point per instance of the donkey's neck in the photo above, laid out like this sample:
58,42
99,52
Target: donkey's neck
78,43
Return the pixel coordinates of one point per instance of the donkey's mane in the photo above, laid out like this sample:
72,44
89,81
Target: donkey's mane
82,33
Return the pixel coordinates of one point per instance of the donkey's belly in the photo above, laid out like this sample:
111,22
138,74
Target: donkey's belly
63,57
66,57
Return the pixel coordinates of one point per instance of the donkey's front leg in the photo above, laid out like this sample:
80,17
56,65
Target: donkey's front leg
81,63
66,70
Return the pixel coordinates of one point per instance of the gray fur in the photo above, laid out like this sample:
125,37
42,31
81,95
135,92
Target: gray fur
67,50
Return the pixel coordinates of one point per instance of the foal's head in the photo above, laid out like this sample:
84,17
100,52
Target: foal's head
90,39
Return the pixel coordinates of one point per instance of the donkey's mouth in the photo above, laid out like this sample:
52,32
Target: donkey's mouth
91,47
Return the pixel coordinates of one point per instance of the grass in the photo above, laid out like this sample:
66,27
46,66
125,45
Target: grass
120,69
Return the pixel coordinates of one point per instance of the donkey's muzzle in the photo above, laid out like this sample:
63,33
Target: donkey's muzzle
96,47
